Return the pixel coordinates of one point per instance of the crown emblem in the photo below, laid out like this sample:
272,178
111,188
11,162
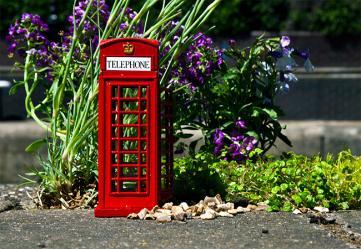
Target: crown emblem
128,48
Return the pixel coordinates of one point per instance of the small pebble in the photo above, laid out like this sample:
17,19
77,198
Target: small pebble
330,220
233,211
297,211
133,216
168,205
225,214
321,209
184,205
164,218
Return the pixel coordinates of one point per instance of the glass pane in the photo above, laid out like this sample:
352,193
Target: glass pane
115,131
144,92
115,91
144,158
143,105
129,119
115,105
114,172
129,132
143,145
130,92
129,158
115,145
144,171
129,145
143,186
114,186
143,131
129,186
115,118
144,118
129,171
129,105
115,158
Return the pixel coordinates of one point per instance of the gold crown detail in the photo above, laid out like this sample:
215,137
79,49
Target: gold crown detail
128,48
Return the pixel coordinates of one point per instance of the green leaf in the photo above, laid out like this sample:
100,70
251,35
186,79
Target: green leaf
275,189
271,113
297,199
34,146
253,134
225,125
287,206
284,139
284,186
15,87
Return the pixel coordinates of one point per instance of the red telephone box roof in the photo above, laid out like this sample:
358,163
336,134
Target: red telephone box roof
129,47
105,43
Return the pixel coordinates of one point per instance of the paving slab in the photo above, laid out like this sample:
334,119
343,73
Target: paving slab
80,229
352,218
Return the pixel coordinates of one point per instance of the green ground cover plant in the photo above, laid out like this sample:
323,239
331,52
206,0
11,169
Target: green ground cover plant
284,184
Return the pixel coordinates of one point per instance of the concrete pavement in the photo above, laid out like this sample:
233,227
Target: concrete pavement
79,229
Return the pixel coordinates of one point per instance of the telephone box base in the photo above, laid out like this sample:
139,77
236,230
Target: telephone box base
117,212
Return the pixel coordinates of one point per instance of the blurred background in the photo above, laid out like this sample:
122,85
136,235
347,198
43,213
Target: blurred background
322,110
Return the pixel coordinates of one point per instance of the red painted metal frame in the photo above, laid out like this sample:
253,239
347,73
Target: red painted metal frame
114,201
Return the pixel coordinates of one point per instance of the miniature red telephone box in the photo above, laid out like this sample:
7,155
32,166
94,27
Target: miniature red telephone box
131,174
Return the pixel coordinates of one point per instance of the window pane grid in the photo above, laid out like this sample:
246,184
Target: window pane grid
129,139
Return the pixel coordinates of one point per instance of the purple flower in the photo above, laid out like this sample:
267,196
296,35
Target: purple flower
26,17
285,41
12,47
218,138
235,150
249,143
123,26
196,64
236,136
241,124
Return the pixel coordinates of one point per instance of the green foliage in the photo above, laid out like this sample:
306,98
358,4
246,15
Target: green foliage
195,179
270,15
292,181
332,17
244,89
338,17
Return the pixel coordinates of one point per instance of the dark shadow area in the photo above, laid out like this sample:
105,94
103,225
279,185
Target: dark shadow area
196,182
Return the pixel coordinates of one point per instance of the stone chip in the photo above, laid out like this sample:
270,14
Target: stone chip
142,213
133,216
225,214
168,205
164,218
321,209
